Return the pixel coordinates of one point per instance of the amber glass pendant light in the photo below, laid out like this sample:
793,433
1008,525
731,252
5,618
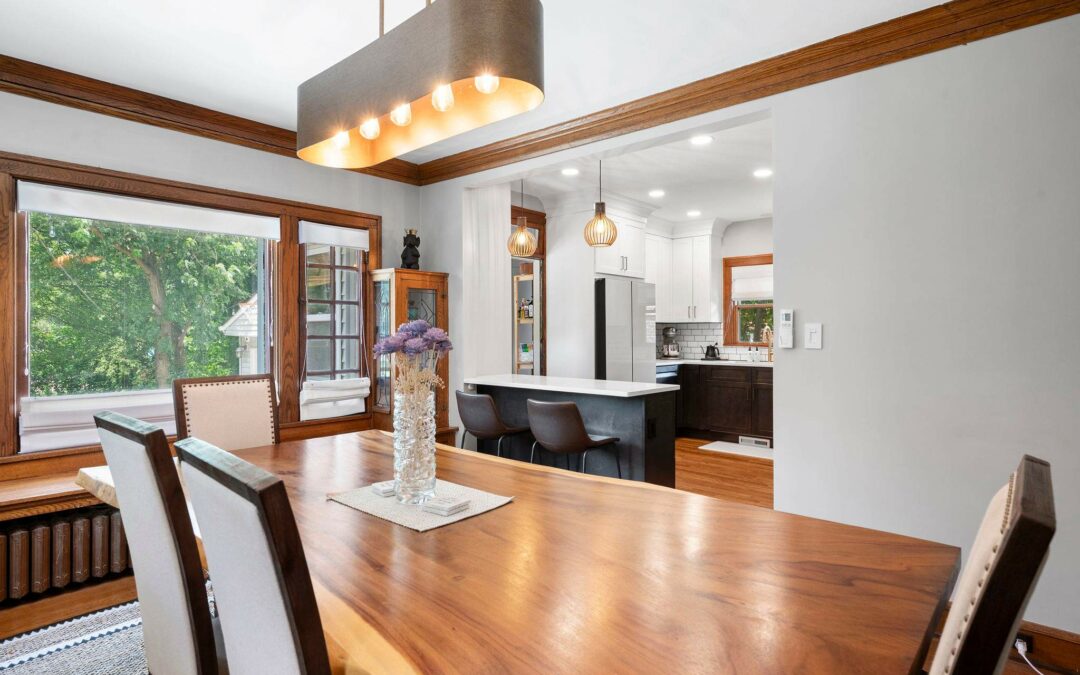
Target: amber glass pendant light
454,66
522,242
601,230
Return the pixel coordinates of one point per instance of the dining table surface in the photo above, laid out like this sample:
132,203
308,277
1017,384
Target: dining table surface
590,574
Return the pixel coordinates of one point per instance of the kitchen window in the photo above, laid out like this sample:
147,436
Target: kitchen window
748,291
123,296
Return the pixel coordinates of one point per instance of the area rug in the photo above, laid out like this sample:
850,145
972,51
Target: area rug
109,642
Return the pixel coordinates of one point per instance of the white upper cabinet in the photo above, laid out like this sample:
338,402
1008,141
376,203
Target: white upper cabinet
626,257
658,273
703,305
682,271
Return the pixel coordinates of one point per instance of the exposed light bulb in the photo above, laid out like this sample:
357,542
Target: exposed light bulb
341,140
486,83
442,99
701,140
370,129
763,172
401,115
656,194
693,213
570,171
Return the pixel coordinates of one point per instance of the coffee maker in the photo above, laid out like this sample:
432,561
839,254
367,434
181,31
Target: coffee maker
669,349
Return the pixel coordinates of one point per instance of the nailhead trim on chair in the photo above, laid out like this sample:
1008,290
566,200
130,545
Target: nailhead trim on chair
269,398
986,570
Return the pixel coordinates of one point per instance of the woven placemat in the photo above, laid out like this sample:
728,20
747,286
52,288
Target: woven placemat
411,515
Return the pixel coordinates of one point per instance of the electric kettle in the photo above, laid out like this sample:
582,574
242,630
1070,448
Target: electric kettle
712,352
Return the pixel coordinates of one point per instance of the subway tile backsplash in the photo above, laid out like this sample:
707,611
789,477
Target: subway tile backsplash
694,337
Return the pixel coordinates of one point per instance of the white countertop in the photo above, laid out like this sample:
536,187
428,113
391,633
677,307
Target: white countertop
573,385
711,362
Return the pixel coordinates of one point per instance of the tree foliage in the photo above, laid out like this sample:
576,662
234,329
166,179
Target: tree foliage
116,307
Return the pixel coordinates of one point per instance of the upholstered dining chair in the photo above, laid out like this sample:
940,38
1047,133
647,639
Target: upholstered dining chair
178,632
1002,567
558,428
232,412
481,418
262,586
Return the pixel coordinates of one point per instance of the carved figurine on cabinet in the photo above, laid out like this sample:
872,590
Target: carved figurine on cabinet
410,256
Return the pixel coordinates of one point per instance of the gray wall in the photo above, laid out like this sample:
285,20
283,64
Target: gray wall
928,213
51,131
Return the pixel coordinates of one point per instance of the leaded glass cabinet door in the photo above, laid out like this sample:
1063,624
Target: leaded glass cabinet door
383,367
406,295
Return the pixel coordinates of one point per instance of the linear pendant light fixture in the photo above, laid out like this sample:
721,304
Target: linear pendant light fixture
522,242
454,66
601,230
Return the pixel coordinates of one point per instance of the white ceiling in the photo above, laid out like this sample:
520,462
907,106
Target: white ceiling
246,57
716,179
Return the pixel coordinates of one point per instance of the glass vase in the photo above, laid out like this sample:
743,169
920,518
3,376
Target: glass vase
414,447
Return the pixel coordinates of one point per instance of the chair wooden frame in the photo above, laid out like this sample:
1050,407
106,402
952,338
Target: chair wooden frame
152,439
180,409
267,493
1015,571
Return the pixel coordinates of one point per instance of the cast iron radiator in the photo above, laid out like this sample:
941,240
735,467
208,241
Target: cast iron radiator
41,555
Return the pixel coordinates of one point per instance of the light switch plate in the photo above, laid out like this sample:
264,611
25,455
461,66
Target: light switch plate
813,335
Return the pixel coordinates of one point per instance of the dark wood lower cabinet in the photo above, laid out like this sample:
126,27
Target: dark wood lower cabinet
725,402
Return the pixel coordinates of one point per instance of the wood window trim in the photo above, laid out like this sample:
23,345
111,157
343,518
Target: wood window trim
730,321
285,274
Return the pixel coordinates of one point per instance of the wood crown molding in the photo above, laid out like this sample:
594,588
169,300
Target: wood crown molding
941,27
59,86
948,25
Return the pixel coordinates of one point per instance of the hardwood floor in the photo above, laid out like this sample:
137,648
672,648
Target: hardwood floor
735,478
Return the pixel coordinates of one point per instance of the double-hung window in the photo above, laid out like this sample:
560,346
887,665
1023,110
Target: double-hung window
750,307
335,367
126,294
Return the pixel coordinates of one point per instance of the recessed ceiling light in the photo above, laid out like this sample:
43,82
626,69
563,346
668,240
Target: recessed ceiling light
693,213
701,140
762,172
570,171
656,194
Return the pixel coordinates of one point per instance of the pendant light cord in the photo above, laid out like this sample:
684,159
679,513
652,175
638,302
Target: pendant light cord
601,181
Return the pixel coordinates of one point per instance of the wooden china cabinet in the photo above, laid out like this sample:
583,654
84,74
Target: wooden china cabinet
401,295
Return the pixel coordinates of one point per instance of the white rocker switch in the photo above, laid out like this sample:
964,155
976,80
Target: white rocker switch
813,335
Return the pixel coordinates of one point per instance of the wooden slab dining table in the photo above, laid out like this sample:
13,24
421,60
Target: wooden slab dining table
588,574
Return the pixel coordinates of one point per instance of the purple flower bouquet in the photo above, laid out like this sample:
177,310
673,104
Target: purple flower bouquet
416,348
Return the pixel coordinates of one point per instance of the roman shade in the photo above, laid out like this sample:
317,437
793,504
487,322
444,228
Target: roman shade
63,201
331,235
753,282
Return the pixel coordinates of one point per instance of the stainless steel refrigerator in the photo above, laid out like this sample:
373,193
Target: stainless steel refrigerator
625,330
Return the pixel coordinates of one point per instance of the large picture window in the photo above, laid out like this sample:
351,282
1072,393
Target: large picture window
124,295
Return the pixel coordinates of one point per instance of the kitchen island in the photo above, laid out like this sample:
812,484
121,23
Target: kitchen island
641,414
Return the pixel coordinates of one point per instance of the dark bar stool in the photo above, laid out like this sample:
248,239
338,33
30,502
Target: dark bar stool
558,428
481,418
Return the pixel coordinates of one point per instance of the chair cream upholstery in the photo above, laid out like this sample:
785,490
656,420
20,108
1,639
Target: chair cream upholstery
229,412
177,629
1002,567
262,586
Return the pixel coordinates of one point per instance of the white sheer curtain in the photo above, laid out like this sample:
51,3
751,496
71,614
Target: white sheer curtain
486,317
